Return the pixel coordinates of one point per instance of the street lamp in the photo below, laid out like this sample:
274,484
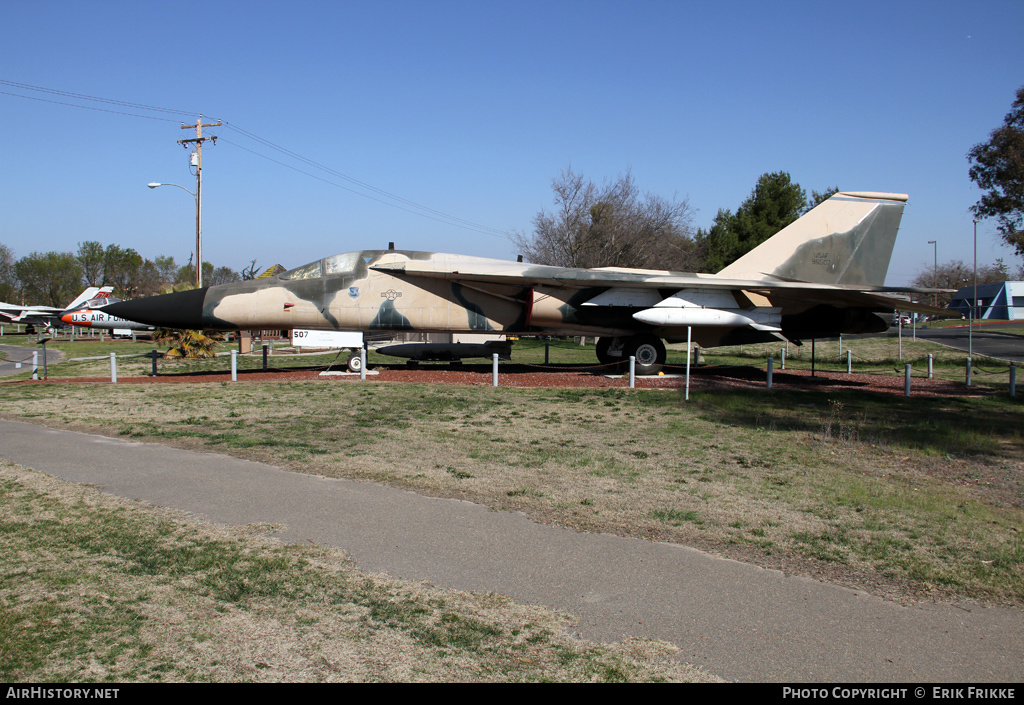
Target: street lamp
974,300
935,271
199,231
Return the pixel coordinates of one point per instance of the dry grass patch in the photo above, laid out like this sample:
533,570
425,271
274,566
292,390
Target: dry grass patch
902,497
95,588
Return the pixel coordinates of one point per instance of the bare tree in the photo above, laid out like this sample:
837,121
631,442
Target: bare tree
955,275
610,226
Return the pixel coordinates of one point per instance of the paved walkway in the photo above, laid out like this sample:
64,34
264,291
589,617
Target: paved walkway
738,621
17,358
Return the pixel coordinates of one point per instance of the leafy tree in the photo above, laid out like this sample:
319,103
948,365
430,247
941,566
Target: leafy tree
609,226
167,269
223,275
149,280
91,256
211,276
819,198
8,279
49,279
997,166
775,202
121,270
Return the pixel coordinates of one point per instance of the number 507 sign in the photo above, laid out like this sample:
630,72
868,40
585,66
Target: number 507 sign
327,338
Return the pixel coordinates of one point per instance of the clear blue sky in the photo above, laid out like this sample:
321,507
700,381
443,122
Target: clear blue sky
471,108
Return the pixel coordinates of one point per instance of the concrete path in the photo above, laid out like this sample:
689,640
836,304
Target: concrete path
17,358
738,621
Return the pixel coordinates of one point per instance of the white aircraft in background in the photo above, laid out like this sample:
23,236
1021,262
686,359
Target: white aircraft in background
90,314
49,317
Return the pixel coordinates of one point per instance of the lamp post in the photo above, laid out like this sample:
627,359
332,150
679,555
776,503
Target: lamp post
199,231
974,299
935,271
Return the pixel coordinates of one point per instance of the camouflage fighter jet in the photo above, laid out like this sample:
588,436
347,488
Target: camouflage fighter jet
821,276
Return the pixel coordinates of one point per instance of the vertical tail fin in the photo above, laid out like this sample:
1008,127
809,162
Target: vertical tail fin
89,293
847,240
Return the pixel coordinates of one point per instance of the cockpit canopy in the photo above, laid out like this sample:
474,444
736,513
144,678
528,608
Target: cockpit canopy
336,264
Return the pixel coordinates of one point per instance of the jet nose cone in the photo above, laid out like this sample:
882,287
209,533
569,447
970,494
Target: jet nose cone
183,309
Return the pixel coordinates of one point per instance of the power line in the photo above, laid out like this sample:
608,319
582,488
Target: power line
96,99
449,221
86,107
383,197
420,209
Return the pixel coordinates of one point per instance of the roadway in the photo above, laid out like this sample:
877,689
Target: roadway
738,621
999,344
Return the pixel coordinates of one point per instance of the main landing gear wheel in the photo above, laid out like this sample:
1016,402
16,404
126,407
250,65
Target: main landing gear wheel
355,362
649,352
603,344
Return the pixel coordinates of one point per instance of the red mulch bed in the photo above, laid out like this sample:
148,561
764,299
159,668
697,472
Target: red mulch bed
513,375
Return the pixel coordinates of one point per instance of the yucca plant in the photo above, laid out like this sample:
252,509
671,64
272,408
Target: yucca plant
188,344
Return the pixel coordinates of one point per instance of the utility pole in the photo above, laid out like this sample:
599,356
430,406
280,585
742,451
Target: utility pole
197,162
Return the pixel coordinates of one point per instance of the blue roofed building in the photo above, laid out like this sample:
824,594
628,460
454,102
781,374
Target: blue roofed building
998,301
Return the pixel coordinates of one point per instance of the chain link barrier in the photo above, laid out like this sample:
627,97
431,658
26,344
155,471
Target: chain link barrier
253,362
